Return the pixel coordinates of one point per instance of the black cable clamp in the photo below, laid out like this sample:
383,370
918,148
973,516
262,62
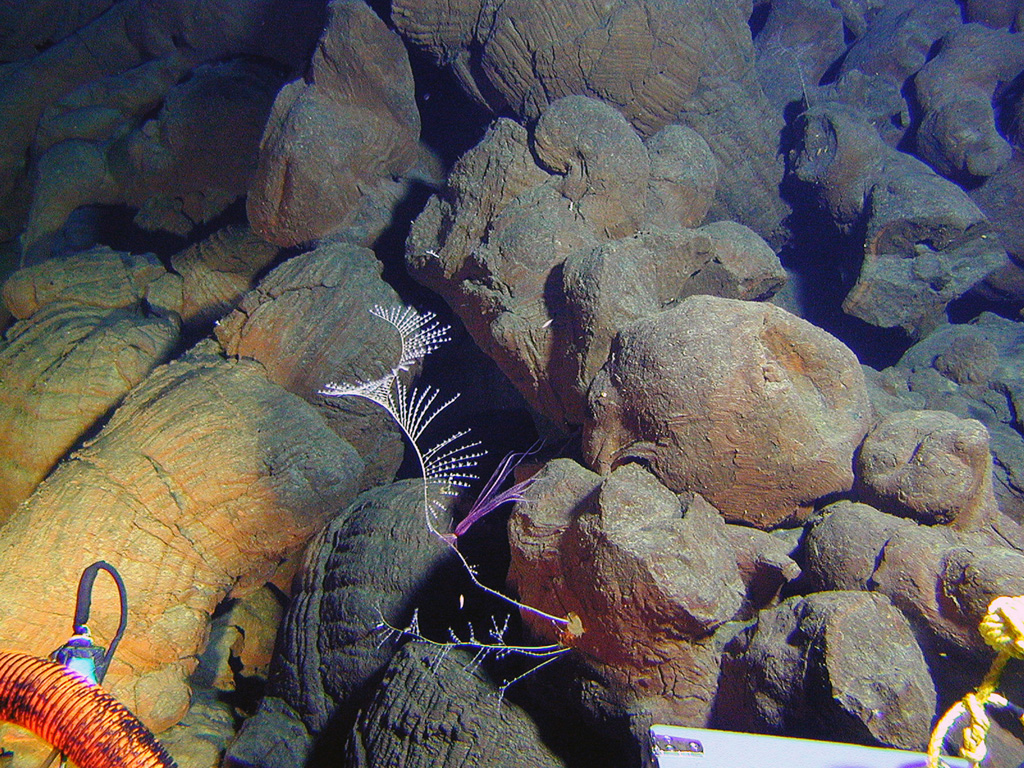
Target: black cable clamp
80,653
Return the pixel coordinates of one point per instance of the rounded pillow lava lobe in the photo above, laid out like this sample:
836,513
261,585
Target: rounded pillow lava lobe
754,408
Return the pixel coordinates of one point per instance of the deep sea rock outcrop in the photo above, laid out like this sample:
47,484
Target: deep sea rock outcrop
843,543
349,125
999,14
972,370
101,278
651,577
308,322
653,63
371,563
941,579
1001,197
753,408
217,271
958,135
946,582
840,664
89,329
204,479
894,39
925,242
747,557
119,66
545,250
929,465
796,45
180,167
434,709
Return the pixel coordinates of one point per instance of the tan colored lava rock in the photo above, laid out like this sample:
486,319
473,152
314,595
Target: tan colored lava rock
764,564
217,271
309,323
601,161
941,579
974,369
955,91
204,479
88,334
648,580
181,166
97,72
945,580
680,193
351,123
99,277
655,61
929,465
546,249
60,372
925,242
837,665
843,543
748,405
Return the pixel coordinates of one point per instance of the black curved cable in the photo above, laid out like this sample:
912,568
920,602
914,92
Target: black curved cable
84,602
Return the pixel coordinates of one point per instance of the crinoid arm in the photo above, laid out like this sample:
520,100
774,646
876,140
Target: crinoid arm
420,332
493,646
490,498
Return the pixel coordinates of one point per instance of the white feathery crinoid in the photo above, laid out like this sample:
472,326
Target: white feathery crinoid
420,332
447,465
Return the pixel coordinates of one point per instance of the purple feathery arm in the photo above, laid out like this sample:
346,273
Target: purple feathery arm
489,500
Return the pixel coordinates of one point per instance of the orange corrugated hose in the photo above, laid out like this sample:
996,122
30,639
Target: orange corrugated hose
80,719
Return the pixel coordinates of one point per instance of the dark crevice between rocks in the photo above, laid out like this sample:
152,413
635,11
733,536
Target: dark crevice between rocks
390,250
552,695
451,122
824,263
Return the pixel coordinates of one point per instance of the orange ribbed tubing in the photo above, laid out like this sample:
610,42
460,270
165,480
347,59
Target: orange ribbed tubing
83,721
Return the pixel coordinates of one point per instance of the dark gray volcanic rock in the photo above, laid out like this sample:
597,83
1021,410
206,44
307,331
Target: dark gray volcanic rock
838,665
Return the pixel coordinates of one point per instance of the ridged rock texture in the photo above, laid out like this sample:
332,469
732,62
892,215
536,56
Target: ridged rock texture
685,240
351,123
651,577
375,561
844,663
308,323
651,62
86,334
431,710
204,479
217,271
546,248
78,103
